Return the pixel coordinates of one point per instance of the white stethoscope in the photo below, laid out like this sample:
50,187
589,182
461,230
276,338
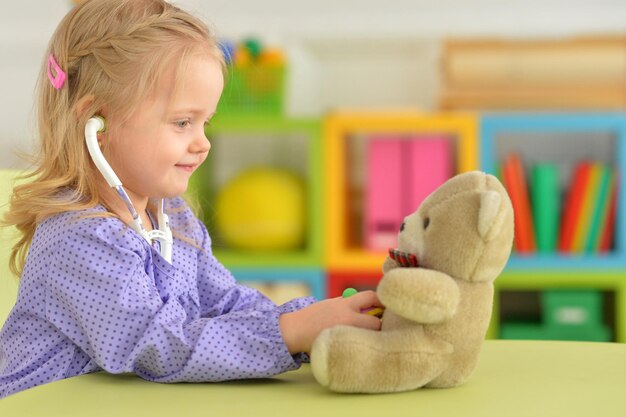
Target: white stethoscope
163,234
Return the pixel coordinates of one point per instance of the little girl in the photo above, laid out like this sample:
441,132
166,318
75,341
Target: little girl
96,291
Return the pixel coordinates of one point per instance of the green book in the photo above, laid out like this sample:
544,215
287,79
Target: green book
545,200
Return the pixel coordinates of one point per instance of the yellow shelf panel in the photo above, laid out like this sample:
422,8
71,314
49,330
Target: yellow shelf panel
339,127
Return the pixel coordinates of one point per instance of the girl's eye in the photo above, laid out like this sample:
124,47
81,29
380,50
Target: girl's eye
182,124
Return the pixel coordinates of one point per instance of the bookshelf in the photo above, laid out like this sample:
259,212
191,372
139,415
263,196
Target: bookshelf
562,139
332,155
478,78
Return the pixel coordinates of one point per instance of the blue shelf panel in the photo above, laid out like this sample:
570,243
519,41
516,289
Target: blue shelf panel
314,278
494,124
592,263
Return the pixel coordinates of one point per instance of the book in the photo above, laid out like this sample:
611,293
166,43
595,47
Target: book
600,210
545,201
573,206
608,228
590,197
515,183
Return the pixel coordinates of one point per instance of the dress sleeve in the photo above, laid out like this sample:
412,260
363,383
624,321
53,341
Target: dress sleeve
100,294
219,293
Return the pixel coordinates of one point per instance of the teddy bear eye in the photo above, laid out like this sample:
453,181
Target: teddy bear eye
402,226
426,222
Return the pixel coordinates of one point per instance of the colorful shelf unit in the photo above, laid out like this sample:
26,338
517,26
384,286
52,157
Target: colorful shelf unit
336,160
563,140
539,279
346,139
243,142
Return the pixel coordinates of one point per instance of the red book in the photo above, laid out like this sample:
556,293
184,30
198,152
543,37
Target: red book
609,227
515,183
573,206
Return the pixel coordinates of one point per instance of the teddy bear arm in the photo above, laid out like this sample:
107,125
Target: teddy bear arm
419,294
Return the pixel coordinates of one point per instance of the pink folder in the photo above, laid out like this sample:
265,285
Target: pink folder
428,164
401,172
383,206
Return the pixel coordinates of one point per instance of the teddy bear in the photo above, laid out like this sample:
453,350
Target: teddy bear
437,289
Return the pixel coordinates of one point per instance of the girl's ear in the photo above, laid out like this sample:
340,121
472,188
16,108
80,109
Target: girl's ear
84,104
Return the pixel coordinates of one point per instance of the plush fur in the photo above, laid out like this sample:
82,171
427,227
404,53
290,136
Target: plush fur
436,314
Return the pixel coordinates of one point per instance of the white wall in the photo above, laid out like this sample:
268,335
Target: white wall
342,52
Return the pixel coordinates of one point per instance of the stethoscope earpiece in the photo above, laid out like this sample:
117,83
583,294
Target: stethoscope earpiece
101,124
163,235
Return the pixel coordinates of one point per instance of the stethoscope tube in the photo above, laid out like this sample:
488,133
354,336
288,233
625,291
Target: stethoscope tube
163,234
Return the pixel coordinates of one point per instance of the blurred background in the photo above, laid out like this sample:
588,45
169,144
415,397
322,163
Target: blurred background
340,53
330,102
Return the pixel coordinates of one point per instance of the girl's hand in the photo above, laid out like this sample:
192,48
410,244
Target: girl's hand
300,328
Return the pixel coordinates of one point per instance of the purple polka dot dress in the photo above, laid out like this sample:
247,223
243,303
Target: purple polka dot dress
96,296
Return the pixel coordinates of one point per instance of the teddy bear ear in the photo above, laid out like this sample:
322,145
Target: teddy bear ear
488,221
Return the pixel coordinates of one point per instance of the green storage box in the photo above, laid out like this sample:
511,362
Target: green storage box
522,331
572,308
537,331
599,333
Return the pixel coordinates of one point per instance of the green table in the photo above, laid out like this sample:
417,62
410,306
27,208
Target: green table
513,378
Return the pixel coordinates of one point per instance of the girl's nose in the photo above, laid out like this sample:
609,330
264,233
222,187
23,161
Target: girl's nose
200,143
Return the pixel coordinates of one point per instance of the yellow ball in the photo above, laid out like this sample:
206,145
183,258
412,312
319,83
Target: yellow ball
262,209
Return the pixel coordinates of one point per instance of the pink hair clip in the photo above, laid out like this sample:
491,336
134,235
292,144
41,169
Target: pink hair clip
58,80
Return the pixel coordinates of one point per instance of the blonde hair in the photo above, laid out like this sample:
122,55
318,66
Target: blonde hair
114,53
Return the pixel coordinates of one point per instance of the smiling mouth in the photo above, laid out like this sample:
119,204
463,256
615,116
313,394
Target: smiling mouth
188,168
